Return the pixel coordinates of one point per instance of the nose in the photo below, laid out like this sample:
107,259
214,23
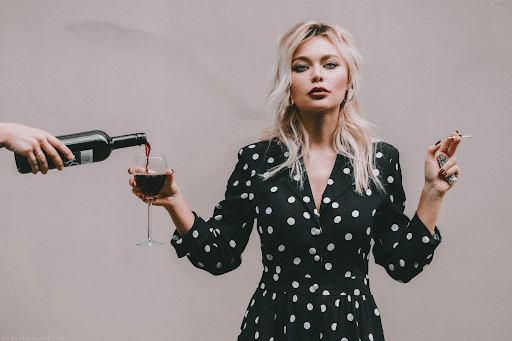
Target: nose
317,74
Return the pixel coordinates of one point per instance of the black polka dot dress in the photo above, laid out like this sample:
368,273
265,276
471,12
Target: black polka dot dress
315,282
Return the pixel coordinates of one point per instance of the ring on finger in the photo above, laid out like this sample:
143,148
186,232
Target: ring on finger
37,155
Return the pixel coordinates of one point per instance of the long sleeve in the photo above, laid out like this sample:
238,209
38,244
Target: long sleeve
216,245
403,246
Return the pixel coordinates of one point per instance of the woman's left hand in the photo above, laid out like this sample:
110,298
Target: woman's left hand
435,176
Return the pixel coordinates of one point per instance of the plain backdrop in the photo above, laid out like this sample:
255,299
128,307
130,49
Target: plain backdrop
194,76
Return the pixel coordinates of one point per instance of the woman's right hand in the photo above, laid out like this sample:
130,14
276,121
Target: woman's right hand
166,195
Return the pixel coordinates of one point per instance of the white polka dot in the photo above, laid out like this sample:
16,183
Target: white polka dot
335,204
348,274
370,337
409,236
195,234
281,248
276,277
307,325
200,264
273,189
391,267
355,213
207,248
268,210
295,298
256,335
244,196
246,166
350,317
291,200
306,215
344,339
253,172
330,247
327,200
316,212
368,192
425,239
346,170
334,325
394,227
219,265
248,183
402,263
306,199
323,308
391,198
270,160
378,155
255,156
295,284
330,181
296,261
328,266
337,219
278,269
348,236
236,183
218,217
376,312
251,146
368,230
232,243
309,306
292,318
257,209
251,196
296,177
290,221
270,230
373,212
390,179
286,154
357,292
312,250
337,303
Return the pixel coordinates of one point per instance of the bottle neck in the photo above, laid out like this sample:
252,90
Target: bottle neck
128,140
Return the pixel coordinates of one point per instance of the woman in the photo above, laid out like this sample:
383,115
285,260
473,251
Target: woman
320,190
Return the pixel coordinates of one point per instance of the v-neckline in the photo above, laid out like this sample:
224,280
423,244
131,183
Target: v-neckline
308,183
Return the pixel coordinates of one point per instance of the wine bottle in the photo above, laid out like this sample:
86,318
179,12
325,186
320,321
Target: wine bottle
88,147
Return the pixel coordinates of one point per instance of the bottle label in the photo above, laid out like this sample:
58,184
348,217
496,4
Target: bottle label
86,156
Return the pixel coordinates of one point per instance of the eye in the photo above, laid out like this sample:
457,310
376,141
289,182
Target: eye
331,65
300,68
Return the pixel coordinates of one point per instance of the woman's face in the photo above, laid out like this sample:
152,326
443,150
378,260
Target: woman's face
319,77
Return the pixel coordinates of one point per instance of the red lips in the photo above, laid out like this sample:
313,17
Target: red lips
318,93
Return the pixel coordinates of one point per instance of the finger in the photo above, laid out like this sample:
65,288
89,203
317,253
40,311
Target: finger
452,148
453,170
433,149
41,160
31,157
137,193
132,182
136,169
56,143
52,153
450,163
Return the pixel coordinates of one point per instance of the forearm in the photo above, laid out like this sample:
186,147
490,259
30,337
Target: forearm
429,206
181,215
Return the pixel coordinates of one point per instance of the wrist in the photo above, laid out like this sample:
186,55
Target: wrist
431,192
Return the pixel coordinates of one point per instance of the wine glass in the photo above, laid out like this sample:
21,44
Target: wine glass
150,178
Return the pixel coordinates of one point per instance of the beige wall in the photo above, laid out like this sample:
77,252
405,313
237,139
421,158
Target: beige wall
192,75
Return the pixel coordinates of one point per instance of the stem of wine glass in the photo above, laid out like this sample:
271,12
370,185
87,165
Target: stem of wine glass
150,201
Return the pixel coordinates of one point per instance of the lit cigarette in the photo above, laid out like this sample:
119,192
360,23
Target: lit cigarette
462,136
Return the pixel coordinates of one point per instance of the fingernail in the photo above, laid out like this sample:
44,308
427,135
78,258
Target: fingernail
438,142
441,173
141,196
134,185
128,170
457,131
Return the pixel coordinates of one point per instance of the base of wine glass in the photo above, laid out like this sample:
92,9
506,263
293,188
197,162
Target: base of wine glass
150,242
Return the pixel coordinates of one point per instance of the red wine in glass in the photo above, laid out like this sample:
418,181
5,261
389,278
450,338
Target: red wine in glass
150,179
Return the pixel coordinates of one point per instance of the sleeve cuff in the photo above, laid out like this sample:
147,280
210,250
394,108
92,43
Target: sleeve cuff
191,240
425,242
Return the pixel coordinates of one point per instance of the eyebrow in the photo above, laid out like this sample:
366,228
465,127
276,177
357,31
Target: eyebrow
326,57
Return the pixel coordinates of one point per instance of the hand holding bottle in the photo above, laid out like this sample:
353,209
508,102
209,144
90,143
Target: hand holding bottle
33,144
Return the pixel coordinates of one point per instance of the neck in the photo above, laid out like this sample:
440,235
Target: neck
320,127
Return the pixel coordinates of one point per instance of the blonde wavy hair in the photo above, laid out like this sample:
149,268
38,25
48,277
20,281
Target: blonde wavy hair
353,136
